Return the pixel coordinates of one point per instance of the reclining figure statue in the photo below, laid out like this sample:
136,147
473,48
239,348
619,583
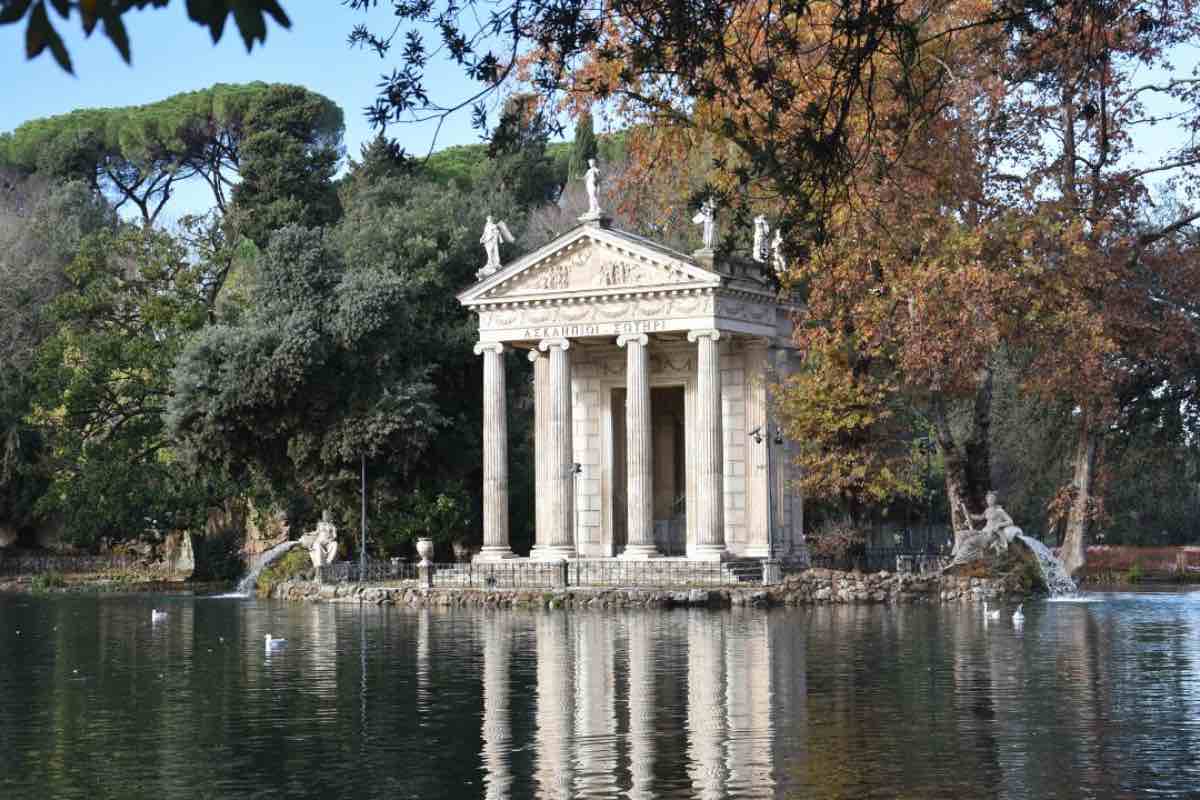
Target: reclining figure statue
996,534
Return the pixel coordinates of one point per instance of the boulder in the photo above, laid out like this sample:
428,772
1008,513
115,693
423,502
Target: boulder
983,556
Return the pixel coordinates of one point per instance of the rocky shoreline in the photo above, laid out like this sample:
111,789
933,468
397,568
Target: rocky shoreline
812,587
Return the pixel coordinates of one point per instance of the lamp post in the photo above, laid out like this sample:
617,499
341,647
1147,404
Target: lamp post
362,539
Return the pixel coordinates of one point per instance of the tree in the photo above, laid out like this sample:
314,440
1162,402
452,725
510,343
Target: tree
289,153
139,154
1110,323
352,345
102,384
41,226
583,148
40,34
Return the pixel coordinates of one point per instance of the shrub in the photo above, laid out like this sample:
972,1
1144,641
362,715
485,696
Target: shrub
293,564
1134,575
48,581
837,539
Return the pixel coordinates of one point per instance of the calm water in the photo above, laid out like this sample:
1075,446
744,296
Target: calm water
1087,699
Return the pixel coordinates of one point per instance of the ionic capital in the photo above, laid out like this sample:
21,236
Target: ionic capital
545,344
533,355
710,333
489,347
626,338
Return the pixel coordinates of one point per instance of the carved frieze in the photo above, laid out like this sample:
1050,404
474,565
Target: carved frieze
590,268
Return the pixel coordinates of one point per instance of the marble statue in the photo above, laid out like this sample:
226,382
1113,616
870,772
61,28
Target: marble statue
777,262
591,180
324,547
493,234
999,529
997,521
707,216
761,230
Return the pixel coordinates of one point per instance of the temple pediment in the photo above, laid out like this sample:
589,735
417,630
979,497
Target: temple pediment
592,261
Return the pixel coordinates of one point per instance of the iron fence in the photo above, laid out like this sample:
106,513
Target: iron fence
544,575
877,559
43,564
653,572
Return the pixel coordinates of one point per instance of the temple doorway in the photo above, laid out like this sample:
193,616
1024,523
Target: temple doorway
670,476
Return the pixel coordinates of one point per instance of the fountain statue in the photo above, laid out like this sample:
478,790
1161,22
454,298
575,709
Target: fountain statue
324,545
1000,548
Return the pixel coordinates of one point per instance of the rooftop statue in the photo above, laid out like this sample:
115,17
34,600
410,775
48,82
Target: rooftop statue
761,230
777,262
707,216
493,233
591,180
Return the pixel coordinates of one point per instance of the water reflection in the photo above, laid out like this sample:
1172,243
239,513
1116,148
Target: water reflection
1085,700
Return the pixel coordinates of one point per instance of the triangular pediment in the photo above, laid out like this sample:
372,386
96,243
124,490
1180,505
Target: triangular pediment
592,261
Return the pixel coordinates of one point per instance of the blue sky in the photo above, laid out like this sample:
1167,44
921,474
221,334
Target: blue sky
171,55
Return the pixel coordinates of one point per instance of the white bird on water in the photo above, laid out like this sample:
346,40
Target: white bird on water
272,642
1019,615
990,614
158,616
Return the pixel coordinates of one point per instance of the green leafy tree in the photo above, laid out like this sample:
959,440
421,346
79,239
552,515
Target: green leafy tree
41,226
289,153
517,152
103,381
352,344
583,148
139,154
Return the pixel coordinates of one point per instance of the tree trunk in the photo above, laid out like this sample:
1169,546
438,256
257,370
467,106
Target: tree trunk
969,466
1074,544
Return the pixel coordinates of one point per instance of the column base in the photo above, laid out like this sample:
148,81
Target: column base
494,553
707,552
757,551
552,552
639,552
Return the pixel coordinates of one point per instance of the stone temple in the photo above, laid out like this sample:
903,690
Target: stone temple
653,371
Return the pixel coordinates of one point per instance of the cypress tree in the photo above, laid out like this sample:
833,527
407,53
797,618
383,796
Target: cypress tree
583,148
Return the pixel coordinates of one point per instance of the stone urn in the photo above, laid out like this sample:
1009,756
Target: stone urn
425,551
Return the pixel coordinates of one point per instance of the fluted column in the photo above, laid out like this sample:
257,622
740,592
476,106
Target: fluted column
710,459
758,498
639,453
495,455
541,431
558,540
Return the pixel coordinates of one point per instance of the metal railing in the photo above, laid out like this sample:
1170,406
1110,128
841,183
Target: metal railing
878,559
540,575
43,564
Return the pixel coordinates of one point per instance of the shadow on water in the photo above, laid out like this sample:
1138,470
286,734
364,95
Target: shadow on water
1098,696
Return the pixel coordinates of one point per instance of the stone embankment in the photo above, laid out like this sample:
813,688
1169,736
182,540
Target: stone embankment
813,587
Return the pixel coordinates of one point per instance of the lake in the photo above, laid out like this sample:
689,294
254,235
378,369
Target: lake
1096,697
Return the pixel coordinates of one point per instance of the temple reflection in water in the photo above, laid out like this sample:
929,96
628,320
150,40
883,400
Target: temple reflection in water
608,719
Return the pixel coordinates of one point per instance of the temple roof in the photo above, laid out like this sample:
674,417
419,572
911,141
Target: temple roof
592,259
